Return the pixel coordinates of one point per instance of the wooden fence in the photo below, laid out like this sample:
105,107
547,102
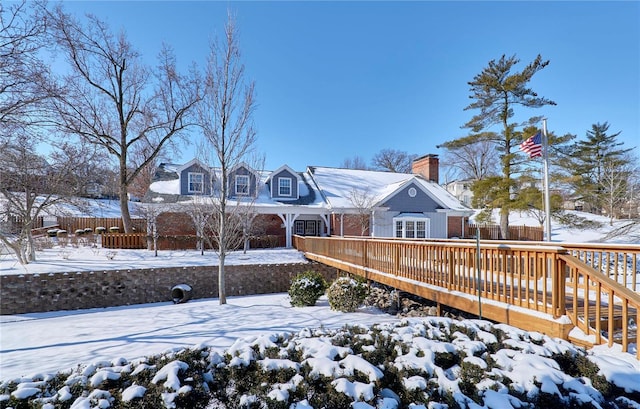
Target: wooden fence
71,224
15,223
492,232
124,241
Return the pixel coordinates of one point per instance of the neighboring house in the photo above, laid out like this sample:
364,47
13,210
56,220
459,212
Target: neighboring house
573,203
324,201
461,190
93,189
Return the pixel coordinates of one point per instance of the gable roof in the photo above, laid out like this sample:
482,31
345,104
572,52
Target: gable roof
192,162
337,186
280,169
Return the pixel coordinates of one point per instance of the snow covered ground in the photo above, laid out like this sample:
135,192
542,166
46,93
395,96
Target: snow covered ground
39,343
69,259
104,343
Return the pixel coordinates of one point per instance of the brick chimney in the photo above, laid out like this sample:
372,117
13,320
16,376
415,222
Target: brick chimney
427,166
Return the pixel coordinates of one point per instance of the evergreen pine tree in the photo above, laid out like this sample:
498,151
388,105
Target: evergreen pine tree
599,169
495,92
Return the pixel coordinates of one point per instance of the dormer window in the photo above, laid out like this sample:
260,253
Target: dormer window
284,186
242,185
196,182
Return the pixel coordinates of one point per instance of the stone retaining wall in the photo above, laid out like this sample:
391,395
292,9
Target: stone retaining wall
26,293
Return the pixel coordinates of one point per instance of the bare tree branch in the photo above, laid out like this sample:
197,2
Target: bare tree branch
114,101
392,160
224,115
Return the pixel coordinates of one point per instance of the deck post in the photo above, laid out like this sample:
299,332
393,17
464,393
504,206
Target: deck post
558,290
451,265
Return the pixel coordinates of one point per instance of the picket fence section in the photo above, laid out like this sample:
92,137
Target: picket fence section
124,241
492,232
71,224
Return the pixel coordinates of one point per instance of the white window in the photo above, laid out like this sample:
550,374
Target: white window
299,227
310,228
409,227
196,182
399,229
242,185
284,186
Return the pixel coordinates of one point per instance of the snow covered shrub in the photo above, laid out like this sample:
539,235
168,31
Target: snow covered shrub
471,375
346,294
306,288
101,230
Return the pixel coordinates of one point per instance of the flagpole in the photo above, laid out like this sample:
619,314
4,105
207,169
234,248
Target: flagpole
545,161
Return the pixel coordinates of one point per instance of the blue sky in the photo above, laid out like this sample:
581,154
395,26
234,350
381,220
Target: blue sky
339,79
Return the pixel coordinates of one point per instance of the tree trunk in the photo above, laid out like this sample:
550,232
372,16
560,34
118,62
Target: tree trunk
31,250
221,282
504,223
124,209
18,249
222,253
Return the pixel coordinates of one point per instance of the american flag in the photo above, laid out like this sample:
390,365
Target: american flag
532,146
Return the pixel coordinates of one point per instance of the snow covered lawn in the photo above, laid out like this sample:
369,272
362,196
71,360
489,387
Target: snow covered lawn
259,350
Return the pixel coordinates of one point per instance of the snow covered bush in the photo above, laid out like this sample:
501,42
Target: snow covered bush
418,362
346,294
306,288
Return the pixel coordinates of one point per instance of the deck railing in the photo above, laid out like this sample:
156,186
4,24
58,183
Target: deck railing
546,278
601,307
618,262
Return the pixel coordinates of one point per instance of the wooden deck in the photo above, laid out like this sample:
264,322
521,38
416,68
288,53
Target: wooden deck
535,286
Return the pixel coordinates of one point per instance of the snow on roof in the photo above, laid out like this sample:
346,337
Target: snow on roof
441,194
309,196
338,186
167,187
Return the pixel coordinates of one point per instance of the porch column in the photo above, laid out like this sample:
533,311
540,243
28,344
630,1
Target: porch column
288,219
372,225
327,223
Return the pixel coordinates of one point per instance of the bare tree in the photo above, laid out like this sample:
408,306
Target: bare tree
23,74
116,102
392,160
614,184
151,213
30,185
473,160
357,162
141,158
224,115
363,201
200,210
